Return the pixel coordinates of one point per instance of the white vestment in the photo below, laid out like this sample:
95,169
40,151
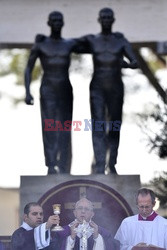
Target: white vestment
133,231
41,241
98,242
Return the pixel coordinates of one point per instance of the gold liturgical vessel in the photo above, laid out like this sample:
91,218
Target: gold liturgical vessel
57,210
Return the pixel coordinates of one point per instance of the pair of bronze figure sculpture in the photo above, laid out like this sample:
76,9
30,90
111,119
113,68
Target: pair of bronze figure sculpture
108,50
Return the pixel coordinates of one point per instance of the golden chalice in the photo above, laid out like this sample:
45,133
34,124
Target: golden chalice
57,210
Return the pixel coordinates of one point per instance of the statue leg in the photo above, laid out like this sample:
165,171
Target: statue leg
65,115
113,150
50,139
115,104
65,152
98,130
57,104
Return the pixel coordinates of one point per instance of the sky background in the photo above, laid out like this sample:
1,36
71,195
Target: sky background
20,128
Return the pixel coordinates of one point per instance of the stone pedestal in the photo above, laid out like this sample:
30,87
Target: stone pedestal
102,189
113,196
32,188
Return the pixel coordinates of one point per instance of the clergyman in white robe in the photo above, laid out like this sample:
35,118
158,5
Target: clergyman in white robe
135,229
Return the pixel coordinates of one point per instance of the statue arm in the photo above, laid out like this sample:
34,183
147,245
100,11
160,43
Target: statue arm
128,52
82,45
28,74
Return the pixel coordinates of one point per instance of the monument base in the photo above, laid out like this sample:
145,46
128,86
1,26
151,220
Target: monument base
112,196
32,188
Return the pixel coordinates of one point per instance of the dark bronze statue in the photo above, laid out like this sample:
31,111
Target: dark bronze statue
56,97
106,88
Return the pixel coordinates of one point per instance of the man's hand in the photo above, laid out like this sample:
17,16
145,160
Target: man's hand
73,230
29,99
124,64
141,244
152,245
52,220
131,65
96,229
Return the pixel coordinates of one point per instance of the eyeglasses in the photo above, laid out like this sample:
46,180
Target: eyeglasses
85,209
144,207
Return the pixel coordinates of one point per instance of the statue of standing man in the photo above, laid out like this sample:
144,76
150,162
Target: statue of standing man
56,96
106,88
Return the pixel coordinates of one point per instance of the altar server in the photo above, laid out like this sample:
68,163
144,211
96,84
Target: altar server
144,229
33,234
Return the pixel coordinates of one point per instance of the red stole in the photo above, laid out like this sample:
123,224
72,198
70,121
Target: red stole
149,218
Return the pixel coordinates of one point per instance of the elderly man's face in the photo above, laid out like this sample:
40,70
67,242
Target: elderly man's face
83,211
145,205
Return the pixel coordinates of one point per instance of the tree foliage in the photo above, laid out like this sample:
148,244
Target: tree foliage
154,125
14,62
160,186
